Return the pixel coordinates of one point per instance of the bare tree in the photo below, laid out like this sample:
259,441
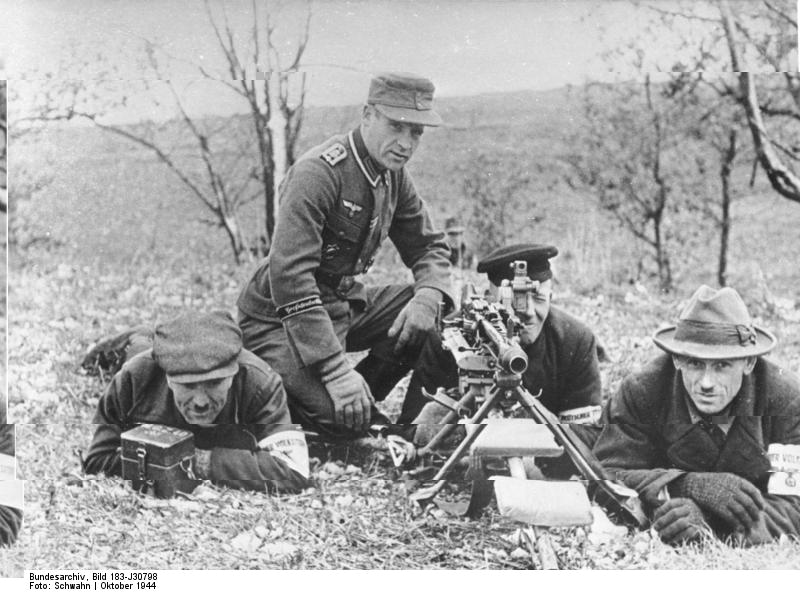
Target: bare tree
624,155
3,152
751,39
781,175
220,169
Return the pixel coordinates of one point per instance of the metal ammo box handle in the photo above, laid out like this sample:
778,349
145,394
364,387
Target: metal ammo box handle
141,455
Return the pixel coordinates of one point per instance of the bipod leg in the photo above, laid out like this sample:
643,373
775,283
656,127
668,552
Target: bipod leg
424,496
449,423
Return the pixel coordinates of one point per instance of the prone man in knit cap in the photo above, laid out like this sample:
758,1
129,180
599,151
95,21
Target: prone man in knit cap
708,433
197,377
562,353
304,306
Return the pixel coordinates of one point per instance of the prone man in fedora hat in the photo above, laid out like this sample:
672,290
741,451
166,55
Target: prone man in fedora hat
197,377
691,431
304,306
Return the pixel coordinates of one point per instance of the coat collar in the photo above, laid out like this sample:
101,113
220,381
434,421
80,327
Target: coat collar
372,171
691,448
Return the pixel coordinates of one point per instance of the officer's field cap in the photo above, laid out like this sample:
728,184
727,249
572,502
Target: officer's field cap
715,325
198,346
404,97
497,265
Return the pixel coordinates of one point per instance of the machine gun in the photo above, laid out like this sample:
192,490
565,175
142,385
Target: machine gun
484,341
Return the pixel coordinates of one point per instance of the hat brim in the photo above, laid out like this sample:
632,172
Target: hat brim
229,369
427,117
665,339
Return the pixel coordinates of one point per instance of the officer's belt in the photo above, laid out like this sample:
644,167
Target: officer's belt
339,283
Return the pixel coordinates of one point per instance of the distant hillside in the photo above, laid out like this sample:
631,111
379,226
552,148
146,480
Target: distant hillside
134,203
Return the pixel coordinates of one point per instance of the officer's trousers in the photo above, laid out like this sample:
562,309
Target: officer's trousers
363,329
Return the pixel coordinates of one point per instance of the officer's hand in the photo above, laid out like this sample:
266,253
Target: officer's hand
352,400
679,520
730,497
416,320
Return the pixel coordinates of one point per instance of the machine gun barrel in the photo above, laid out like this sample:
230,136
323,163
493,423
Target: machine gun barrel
511,357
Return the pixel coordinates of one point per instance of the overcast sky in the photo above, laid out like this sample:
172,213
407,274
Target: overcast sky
466,47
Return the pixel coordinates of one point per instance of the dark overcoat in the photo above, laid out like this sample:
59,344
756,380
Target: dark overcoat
649,440
255,415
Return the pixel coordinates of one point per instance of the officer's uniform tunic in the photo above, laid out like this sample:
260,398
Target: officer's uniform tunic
303,305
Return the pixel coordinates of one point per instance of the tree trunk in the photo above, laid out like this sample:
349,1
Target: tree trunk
662,257
781,177
278,131
725,219
238,242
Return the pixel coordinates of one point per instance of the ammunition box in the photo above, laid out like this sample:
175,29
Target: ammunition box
157,459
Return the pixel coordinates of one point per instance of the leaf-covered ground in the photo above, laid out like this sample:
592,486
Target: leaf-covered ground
356,516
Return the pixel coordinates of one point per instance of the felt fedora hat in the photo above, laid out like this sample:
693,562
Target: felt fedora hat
714,325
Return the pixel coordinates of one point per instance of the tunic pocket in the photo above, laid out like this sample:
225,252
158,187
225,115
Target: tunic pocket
340,245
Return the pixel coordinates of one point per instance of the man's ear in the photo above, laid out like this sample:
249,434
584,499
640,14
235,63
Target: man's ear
749,364
367,113
677,361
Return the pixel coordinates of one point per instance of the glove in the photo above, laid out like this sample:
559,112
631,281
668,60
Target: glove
416,320
679,520
352,401
731,498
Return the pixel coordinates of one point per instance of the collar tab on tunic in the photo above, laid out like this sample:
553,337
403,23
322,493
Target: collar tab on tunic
372,172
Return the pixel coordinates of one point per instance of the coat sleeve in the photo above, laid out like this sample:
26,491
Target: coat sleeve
422,249
104,454
268,453
782,512
627,446
583,385
307,197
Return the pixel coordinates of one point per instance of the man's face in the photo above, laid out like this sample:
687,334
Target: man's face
201,402
535,311
390,143
713,384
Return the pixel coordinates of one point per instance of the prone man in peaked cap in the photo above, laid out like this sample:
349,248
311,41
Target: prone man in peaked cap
304,306
562,351
197,377
704,433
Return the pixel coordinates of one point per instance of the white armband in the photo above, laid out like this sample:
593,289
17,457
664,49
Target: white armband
784,478
12,494
581,415
291,448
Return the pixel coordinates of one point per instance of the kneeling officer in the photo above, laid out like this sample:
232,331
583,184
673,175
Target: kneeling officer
197,377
